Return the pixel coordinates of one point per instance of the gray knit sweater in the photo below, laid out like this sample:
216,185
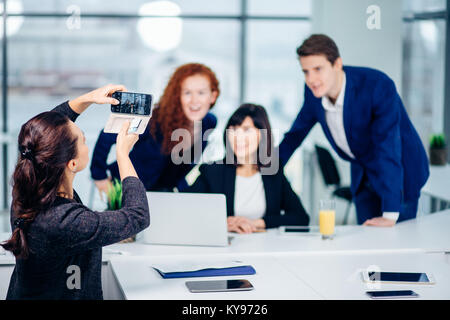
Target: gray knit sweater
66,243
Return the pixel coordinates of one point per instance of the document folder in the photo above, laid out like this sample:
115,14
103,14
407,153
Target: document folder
209,272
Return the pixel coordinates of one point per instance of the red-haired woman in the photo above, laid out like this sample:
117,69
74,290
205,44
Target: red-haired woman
191,92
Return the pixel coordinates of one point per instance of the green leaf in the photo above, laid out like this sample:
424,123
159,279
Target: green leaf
115,195
437,141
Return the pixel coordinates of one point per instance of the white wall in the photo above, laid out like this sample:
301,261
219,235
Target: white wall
346,22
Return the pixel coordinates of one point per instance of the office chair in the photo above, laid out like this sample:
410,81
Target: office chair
331,177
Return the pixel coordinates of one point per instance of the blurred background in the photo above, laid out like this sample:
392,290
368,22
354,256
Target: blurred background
55,50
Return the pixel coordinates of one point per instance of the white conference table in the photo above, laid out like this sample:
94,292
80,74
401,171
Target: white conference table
338,276
306,276
298,266
429,233
277,258
139,281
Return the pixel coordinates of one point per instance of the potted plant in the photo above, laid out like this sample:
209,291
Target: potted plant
438,150
115,202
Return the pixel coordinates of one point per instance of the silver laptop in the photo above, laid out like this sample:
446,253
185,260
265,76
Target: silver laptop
196,219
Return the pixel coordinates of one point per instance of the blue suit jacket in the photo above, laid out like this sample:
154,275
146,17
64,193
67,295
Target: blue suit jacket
379,132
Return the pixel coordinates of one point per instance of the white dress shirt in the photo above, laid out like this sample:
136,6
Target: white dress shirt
249,197
334,116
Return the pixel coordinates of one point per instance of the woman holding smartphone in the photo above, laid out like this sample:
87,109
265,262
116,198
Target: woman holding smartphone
254,199
54,235
189,95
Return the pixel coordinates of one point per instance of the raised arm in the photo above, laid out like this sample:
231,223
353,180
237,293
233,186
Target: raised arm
74,108
80,228
99,96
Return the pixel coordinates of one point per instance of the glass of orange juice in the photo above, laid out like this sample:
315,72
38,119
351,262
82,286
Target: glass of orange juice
327,213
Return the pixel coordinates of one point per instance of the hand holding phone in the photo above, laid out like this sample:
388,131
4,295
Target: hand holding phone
101,95
134,125
105,94
125,141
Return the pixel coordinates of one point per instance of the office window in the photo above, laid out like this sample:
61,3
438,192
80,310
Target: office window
424,5
53,57
206,7
280,8
275,80
423,68
50,63
274,76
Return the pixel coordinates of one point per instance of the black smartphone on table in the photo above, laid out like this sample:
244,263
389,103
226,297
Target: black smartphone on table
307,230
392,294
398,277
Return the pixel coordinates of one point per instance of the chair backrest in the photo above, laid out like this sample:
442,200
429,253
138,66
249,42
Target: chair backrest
327,167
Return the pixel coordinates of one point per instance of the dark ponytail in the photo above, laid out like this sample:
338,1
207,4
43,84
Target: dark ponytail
46,145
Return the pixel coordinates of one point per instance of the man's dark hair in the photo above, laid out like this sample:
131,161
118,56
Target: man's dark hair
319,44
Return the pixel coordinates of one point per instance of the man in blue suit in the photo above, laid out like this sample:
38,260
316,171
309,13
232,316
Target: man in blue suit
366,123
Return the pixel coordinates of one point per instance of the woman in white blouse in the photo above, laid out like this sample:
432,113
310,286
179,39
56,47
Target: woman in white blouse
256,192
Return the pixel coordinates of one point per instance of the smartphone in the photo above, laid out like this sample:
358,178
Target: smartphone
392,294
398,277
298,230
133,107
132,103
219,285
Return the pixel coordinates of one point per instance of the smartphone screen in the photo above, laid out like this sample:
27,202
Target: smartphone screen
392,294
219,285
398,277
132,103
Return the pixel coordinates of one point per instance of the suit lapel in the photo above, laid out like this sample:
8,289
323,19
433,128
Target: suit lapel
327,132
348,106
349,96
230,183
267,182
